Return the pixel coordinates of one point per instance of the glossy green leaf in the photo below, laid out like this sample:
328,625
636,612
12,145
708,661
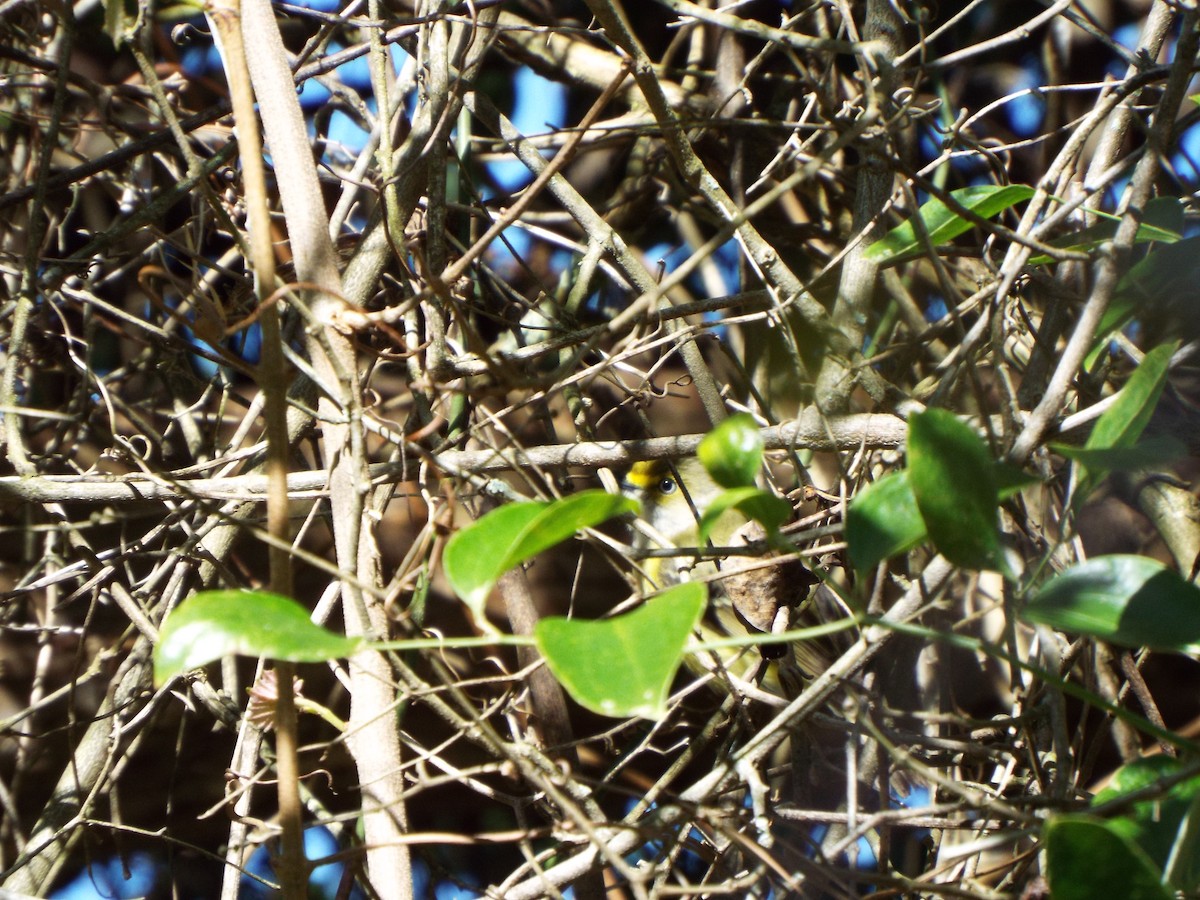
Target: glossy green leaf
732,452
1138,775
883,520
1129,600
561,519
1086,859
1162,273
1011,480
1116,317
953,480
1164,825
1153,452
1163,222
1182,868
1120,426
942,225
624,666
754,503
215,624
1171,271
476,556
1123,422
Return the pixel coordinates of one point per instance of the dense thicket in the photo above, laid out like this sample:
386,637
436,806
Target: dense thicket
517,241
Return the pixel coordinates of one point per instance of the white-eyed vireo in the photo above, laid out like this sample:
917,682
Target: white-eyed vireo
674,494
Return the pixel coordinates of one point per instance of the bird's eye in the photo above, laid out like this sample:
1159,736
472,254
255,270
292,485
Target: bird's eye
667,486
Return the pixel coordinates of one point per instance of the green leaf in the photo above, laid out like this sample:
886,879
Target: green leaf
883,520
215,624
953,480
1162,222
1120,426
1136,776
476,556
1086,859
624,666
732,452
1162,273
1182,868
942,225
1011,480
1166,272
1123,422
1153,452
1129,600
561,519
1163,825
754,503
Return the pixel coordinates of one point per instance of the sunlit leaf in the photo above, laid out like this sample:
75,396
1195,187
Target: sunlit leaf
732,452
624,666
474,556
1163,824
1163,222
561,519
953,480
1011,480
883,521
477,555
216,624
1129,600
754,503
1086,859
1120,426
1153,452
1123,422
943,225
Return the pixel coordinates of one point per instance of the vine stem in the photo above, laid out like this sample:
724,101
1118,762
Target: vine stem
273,381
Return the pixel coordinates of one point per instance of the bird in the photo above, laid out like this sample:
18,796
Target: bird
674,494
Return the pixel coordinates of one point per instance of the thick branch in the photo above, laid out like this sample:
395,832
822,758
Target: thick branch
871,431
